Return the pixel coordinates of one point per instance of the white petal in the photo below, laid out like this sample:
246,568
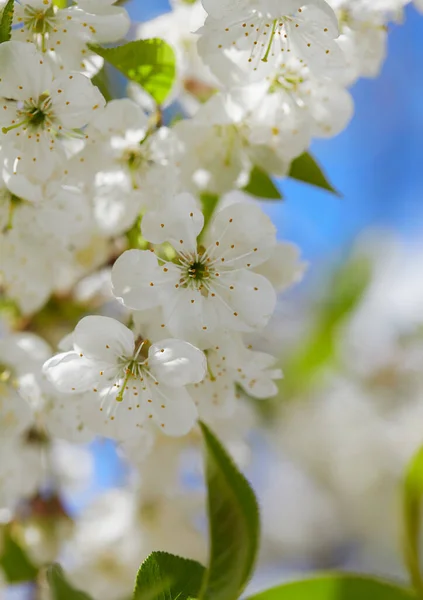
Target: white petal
64,419
177,363
121,115
20,185
321,14
66,343
187,313
15,412
71,373
242,234
116,204
284,268
249,304
222,8
135,278
317,47
257,378
118,420
332,108
19,349
22,66
180,224
103,339
174,411
110,23
75,100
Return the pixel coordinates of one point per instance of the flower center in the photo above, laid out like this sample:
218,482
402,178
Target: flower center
39,21
198,271
7,378
135,367
195,270
34,115
133,158
259,35
288,79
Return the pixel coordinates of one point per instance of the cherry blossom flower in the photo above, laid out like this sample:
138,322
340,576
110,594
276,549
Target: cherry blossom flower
206,286
134,380
62,35
37,107
250,36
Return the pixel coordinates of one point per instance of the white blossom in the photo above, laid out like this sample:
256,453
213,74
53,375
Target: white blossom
62,35
134,381
38,107
247,38
206,286
126,166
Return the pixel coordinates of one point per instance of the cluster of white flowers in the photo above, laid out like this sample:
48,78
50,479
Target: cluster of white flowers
131,246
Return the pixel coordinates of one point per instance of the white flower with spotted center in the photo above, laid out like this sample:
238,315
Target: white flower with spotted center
231,363
328,104
208,285
131,380
251,36
62,35
38,107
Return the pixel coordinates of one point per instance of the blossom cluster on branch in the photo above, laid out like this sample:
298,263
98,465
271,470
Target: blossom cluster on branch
141,270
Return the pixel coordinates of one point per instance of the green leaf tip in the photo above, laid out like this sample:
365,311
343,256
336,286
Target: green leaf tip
412,507
163,576
305,168
261,186
6,21
14,562
60,588
234,524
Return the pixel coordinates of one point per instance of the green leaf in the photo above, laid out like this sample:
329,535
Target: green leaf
101,80
61,3
234,524
319,348
305,168
209,204
60,588
6,22
412,505
163,576
14,562
337,587
150,63
262,186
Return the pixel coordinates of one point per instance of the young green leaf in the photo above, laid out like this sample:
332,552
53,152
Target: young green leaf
150,63
6,21
262,186
61,3
305,168
101,80
412,504
60,588
163,576
234,524
320,348
337,587
14,562
209,204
